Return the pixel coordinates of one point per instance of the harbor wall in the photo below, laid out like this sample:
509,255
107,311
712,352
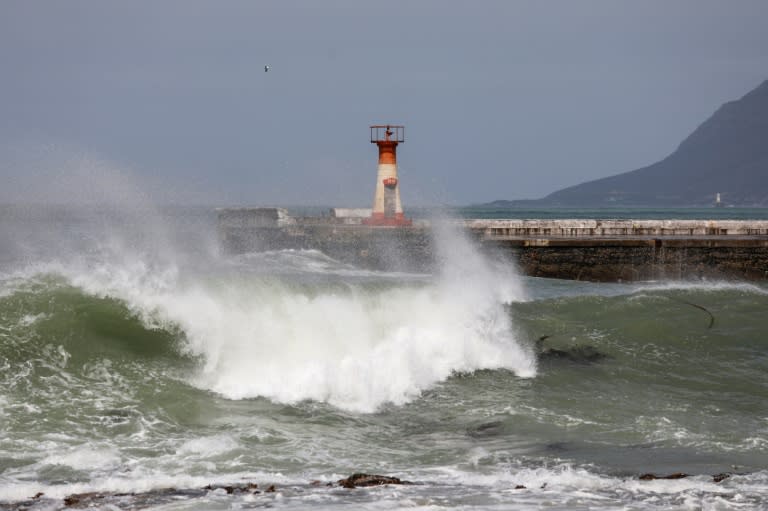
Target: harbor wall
594,250
607,260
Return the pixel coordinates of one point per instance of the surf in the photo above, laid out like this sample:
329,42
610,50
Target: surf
307,328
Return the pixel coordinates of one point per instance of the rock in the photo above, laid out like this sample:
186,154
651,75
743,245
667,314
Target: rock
519,487
271,488
357,480
77,498
487,429
579,354
720,477
91,499
557,446
583,354
234,488
71,500
152,498
651,477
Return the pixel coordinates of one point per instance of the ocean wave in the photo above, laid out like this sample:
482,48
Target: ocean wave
356,345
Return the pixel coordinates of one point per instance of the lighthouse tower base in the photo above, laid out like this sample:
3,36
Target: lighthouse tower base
379,219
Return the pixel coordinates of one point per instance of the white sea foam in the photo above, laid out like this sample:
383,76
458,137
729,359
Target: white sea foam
356,349
85,457
136,481
703,285
208,446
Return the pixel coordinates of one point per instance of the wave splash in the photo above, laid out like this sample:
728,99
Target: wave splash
353,344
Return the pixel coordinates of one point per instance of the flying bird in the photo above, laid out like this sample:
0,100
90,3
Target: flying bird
266,68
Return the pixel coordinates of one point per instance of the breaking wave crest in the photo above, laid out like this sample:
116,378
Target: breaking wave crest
355,343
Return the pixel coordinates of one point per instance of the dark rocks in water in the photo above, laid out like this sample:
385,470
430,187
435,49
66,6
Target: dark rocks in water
557,446
720,477
72,500
584,354
651,477
86,499
486,429
164,495
578,354
154,497
359,480
232,489
137,500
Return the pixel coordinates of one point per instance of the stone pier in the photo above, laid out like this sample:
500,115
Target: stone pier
630,250
595,250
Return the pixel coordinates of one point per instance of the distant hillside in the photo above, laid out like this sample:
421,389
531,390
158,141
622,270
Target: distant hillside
728,154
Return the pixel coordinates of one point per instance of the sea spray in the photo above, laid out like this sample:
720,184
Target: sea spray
360,348
289,338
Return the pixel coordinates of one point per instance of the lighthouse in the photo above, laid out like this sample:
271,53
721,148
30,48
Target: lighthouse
387,208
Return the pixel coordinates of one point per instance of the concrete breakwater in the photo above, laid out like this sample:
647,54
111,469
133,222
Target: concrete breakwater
596,250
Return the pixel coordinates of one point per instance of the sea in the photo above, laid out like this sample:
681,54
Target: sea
142,368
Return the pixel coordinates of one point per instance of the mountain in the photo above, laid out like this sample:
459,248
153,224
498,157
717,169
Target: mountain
727,154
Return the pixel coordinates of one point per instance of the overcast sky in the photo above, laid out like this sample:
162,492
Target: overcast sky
501,100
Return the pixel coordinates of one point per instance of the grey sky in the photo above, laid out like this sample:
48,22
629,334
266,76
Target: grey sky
501,100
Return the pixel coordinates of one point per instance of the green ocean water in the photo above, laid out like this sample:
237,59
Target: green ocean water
147,360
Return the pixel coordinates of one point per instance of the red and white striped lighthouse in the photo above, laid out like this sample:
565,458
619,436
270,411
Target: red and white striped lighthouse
387,208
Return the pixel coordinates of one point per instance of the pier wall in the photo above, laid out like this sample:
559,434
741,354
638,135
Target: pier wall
607,260
594,250
611,228
629,250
